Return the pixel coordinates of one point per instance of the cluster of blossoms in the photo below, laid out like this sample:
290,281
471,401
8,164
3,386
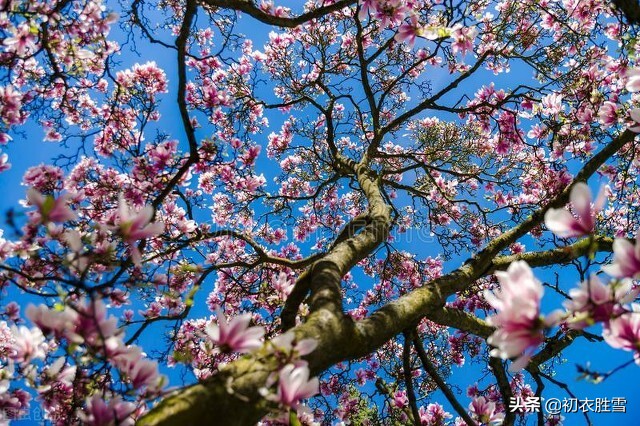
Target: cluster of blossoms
519,325
50,209
608,112
632,86
485,411
520,328
21,346
94,353
290,383
75,42
405,17
130,225
88,340
135,226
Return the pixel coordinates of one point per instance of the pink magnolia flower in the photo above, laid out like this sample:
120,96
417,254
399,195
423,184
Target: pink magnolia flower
99,413
12,309
61,323
285,343
408,32
144,373
633,80
10,109
519,325
86,323
463,38
57,376
93,324
400,399
58,371
564,224
434,414
626,259
594,301
367,6
294,385
4,163
235,335
130,361
390,12
13,402
485,411
28,344
136,226
283,286
635,116
552,103
608,114
51,209
76,258
624,333
22,42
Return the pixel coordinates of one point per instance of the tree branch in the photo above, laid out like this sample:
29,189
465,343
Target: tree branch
255,12
558,256
408,377
505,389
433,373
630,9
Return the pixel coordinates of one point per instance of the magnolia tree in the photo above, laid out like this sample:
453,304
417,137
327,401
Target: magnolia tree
314,215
